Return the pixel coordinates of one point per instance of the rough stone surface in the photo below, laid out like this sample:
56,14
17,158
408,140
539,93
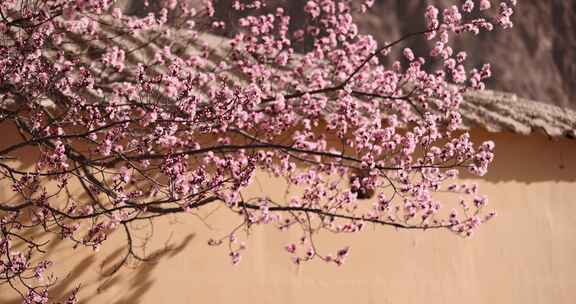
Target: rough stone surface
536,59
498,111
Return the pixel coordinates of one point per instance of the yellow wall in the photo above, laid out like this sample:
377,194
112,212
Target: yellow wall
525,255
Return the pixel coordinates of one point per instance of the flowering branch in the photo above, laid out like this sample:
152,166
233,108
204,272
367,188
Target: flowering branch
155,115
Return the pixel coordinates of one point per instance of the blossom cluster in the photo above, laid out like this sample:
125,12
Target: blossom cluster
156,115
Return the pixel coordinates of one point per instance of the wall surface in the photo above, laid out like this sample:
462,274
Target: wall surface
525,255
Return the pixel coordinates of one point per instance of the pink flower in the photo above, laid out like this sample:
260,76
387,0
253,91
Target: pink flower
468,6
291,248
485,4
408,54
312,8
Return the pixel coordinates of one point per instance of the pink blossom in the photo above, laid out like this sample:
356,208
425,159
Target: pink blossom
485,4
291,248
152,118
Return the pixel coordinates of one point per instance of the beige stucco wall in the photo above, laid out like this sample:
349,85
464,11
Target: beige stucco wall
526,255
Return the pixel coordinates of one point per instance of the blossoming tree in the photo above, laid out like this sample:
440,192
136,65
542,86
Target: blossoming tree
149,119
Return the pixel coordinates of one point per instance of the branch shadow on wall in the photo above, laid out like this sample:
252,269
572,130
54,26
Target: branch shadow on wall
135,279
